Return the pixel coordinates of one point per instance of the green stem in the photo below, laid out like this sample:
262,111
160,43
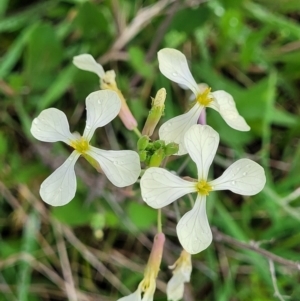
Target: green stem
137,132
159,222
191,200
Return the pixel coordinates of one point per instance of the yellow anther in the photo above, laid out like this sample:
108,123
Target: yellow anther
203,187
81,145
204,98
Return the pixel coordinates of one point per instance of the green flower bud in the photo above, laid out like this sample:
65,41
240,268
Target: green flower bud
143,155
155,113
143,143
157,158
158,144
171,148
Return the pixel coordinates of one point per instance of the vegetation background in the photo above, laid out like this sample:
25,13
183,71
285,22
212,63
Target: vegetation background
96,247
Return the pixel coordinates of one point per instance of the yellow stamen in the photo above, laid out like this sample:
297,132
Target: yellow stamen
81,145
204,98
203,187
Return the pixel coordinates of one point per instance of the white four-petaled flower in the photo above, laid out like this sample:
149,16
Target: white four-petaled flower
173,65
122,168
160,187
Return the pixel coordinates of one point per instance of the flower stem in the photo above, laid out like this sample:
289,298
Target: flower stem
137,132
159,221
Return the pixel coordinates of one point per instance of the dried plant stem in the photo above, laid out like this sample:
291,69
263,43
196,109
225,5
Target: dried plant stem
221,237
273,276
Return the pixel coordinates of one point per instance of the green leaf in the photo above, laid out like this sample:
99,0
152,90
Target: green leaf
277,21
29,243
57,88
187,20
141,215
43,56
138,62
90,20
14,53
76,213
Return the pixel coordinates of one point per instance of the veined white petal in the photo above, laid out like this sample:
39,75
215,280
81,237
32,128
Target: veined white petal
175,286
101,108
122,167
227,108
60,187
160,187
136,296
174,129
201,142
193,229
51,126
87,62
244,177
174,66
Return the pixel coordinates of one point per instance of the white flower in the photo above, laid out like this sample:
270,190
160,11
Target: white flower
160,187
107,81
173,65
121,167
182,270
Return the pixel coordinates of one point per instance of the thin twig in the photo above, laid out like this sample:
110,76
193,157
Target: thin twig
41,268
93,260
273,276
221,237
160,32
65,263
292,196
142,19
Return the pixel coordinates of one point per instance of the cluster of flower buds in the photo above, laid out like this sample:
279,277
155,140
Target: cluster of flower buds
153,153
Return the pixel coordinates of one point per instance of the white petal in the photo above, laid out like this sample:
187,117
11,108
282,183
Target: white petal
193,229
60,187
175,287
244,177
87,62
101,108
174,66
226,107
136,296
174,129
122,168
51,126
201,142
160,188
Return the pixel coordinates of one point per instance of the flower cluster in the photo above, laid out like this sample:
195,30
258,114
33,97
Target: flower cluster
159,187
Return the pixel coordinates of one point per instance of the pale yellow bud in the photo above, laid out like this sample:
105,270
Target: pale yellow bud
158,106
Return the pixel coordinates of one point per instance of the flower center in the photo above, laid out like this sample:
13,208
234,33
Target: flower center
205,97
81,145
203,187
